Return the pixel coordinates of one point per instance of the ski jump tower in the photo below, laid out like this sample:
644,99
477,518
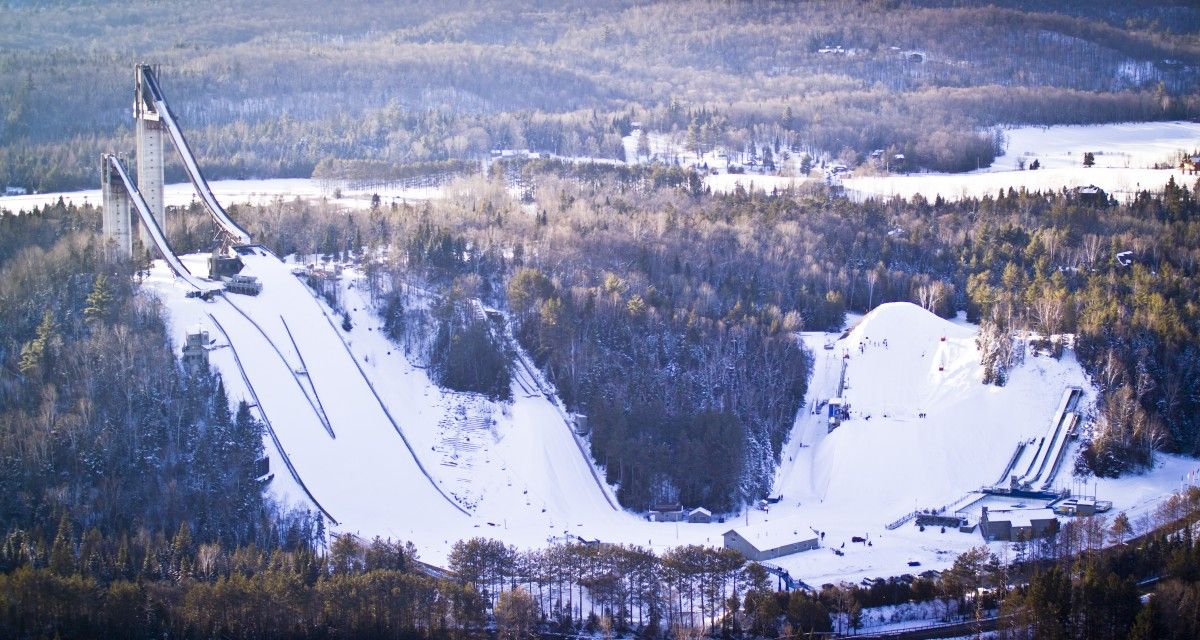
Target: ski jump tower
150,129
154,124
118,226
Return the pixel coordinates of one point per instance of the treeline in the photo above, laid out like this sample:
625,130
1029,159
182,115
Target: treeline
185,589
1097,594
1072,587
1053,265
271,94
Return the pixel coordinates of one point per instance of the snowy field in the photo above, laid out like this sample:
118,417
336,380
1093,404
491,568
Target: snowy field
243,192
1125,156
516,472
728,182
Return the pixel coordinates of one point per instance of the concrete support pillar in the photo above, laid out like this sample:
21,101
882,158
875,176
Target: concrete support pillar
150,160
118,232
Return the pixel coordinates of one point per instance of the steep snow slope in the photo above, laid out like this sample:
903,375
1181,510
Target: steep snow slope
515,468
366,477
929,367
887,460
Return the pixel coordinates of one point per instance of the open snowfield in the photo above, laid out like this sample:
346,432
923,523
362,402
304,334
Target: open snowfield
728,182
516,472
244,192
1125,156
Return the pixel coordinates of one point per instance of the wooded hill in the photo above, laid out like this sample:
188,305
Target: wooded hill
273,89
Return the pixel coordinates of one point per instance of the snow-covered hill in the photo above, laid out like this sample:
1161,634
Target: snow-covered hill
521,475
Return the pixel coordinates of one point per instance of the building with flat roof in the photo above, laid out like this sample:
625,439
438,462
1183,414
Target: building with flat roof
1017,524
772,539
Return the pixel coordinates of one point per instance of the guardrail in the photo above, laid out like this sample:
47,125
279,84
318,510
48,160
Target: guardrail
307,374
896,524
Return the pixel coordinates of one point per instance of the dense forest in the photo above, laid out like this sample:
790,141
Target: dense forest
282,90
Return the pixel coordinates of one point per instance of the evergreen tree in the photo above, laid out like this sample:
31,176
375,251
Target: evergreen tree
98,300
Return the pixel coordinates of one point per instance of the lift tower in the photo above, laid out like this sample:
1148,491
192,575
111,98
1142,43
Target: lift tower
150,132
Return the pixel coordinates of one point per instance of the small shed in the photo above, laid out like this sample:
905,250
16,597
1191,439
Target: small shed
579,423
221,265
195,355
1091,194
699,515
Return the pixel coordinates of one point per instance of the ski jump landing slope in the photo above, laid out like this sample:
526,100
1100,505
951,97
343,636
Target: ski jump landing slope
886,460
508,470
367,477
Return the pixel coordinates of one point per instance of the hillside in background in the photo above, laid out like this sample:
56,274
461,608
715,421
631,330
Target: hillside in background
275,90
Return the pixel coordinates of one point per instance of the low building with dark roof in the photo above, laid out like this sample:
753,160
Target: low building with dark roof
772,539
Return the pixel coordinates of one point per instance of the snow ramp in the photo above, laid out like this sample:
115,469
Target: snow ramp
369,474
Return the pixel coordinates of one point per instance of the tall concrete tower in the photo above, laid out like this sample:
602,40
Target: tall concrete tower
149,150
117,222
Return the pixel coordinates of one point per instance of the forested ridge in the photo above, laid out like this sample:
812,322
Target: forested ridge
276,89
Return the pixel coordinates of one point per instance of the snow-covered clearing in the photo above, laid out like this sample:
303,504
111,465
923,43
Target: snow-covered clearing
245,192
728,182
1125,156
518,471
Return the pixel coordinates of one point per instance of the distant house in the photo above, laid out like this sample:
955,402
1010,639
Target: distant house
668,512
1091,194
15,191
700,515
1017,524
1190,164
773,539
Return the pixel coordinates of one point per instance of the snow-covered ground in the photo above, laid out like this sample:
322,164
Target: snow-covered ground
1125,156
514,467
670,148
520,475
243,192
728,182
